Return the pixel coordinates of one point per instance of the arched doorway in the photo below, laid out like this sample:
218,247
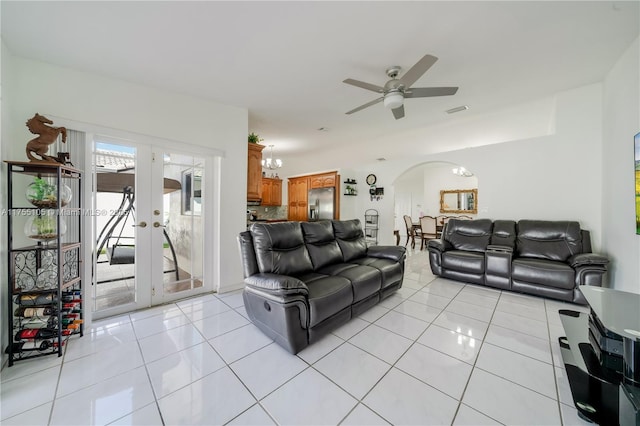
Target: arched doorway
417,190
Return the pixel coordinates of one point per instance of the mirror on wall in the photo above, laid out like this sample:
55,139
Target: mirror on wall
459,201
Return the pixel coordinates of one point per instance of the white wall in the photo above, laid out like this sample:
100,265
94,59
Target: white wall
554,177
3,202
621,123
442,178
91,98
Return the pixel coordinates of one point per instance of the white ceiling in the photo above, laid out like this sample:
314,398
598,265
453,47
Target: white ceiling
285,61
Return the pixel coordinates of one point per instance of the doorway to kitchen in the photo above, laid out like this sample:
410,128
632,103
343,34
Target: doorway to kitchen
149,225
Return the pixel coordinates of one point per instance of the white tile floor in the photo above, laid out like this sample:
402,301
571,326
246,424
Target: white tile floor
436,352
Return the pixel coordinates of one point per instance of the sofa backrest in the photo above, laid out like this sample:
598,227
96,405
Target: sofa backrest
350,238
280,248
504,233
249,263
551,240
321,243
468,235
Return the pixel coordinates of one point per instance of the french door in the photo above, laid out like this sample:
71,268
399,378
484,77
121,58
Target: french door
149,226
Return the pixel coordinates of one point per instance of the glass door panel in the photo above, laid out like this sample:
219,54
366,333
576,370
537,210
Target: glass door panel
116,226
149,227
182,225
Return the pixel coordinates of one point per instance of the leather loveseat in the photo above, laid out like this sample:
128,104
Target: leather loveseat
304,279
545,258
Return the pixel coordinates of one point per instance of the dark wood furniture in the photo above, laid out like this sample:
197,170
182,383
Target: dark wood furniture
254,172
601,356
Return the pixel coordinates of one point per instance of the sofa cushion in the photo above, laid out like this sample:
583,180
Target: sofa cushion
543,272
391,271
468,235
551,240
280,248
350,239
463,261
327,296
321,243
365,280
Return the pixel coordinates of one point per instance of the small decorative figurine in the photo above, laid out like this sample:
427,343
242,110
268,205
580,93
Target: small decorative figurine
38,125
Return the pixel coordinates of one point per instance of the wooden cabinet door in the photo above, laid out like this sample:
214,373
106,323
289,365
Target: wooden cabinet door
276,192
254,172
266,192
327,180
316,181
271,192
298,199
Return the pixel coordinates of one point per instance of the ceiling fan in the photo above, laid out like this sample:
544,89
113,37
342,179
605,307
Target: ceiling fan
397,89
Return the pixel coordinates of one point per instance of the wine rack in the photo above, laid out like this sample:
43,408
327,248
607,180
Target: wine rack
44,223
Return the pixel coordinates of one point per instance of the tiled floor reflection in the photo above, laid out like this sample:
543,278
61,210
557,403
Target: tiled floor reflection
436,352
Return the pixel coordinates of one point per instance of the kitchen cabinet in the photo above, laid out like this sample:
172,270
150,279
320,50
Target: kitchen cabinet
271,192
299,191
326,180
254,172
298,188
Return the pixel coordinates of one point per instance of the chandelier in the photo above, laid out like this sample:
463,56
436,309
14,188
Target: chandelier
461,171
270,163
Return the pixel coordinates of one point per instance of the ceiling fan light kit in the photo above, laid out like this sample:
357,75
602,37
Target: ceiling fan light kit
393,100
396,89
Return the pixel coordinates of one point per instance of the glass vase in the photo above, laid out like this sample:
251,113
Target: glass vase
44,195
44,227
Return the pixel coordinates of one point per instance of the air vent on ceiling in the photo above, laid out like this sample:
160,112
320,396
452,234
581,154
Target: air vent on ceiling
457,109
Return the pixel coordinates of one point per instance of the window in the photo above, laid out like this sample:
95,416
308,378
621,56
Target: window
192,192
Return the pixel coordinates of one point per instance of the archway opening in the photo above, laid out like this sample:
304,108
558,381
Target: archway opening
417,192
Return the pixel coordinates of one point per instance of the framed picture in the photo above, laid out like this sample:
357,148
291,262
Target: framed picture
636,163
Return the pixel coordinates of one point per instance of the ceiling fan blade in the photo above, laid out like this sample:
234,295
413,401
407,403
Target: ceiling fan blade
398,112
367,105
418,70
425,92
364,85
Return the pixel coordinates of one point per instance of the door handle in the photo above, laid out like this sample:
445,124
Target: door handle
157,225
142,224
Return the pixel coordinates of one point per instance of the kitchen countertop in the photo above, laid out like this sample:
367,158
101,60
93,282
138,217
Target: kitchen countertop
267,220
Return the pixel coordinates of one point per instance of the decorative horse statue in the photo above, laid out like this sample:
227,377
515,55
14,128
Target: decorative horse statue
38,125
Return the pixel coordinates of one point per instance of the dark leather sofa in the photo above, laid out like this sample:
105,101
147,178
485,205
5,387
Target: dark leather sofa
545,258
304,279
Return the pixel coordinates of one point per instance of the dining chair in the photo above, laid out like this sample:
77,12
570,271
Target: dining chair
413,231
427,229
440,225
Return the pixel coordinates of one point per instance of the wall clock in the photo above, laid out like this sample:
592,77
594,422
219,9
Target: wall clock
371,179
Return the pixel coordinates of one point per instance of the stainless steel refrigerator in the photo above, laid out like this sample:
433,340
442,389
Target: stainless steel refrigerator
321,203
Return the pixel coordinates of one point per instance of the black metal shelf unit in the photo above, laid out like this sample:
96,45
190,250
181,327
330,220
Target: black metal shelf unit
44,258
371,226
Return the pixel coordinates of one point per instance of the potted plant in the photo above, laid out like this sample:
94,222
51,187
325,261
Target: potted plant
44,227
254,138
42,194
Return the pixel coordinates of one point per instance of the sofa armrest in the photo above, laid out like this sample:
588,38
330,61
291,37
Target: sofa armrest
278,284
396,253
499,248
587,259
439,245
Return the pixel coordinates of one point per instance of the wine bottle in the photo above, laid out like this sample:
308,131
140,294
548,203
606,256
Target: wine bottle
36,333
25,312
